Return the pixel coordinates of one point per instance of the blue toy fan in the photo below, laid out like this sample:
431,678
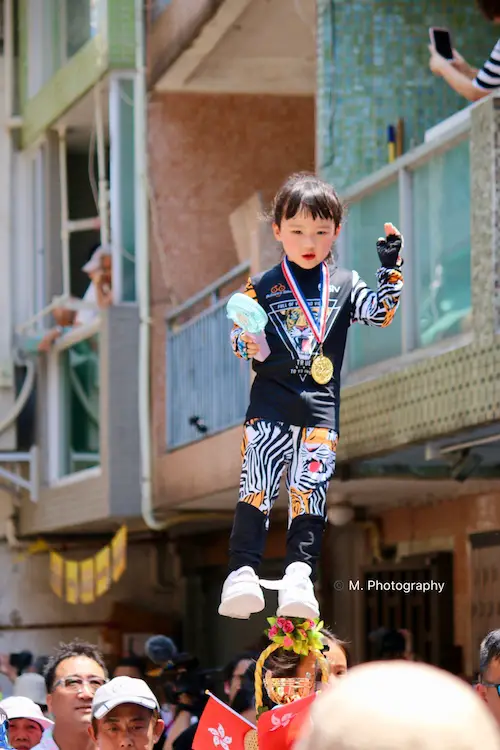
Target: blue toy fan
251,318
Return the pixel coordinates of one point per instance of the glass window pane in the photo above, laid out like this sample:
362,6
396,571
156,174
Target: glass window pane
81,23
81,405
125,190
441,210
43,58
365,224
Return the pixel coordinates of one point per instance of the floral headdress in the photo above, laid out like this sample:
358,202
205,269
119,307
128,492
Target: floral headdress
296,634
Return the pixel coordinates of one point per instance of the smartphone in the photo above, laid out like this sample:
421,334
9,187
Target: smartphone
441,41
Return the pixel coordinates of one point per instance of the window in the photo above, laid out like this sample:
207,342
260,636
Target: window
55,31
74,402
80,393
436,303
42,46
81,24
441,207
365,224
122,186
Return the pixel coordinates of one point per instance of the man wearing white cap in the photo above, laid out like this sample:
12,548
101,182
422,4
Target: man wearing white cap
26,722
125,714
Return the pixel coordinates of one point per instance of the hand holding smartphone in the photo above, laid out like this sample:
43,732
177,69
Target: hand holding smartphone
441,41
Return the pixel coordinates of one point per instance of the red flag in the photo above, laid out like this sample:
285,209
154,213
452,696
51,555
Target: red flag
220,727
278,729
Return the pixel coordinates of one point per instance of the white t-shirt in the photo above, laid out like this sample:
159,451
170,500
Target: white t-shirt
86,317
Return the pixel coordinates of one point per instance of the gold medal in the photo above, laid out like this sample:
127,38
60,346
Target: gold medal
322,369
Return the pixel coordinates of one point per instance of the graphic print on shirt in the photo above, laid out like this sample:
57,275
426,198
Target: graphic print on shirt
292,327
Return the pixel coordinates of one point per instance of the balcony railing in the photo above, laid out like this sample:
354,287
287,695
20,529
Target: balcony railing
207,386
426,193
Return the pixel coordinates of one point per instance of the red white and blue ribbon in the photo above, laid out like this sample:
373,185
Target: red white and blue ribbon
319,331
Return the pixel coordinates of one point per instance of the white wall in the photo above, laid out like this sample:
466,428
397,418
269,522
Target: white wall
26,598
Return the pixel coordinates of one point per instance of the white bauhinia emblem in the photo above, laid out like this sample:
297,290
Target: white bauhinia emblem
220,738
282,721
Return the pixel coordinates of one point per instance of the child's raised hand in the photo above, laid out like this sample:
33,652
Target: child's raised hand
251,347
390,246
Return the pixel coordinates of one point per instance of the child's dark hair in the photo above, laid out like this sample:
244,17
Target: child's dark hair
489,8
306,192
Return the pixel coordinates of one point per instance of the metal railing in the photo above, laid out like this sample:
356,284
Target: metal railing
207,386
426,187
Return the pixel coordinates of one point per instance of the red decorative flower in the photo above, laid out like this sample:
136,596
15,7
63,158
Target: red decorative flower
273,631
287,642
280,622
287,627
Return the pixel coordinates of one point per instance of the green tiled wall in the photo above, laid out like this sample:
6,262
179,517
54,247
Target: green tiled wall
373,68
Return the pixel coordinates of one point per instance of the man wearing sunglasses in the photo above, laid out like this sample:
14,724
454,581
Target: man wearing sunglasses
72,675
488,686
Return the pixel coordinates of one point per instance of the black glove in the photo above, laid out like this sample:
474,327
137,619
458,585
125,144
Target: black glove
388,249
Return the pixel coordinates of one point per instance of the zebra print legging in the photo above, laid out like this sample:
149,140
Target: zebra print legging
309,457
307,452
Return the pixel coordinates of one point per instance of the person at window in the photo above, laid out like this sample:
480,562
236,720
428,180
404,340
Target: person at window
26,722
469,82
72,676
98,294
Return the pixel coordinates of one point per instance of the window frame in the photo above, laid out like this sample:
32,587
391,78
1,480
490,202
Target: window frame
401,171
56,432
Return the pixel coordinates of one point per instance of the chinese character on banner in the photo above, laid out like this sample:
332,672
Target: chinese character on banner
221,727
57,573
280,728
72,569
87,581
103,570
119,553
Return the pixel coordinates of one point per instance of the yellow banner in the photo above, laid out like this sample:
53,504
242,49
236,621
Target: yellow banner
103,570
87,581
57,573
119,553
72,569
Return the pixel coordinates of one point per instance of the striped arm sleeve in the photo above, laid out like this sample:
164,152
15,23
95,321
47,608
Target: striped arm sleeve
488,77
376,308
238,346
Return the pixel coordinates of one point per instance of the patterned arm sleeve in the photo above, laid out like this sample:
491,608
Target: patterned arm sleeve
376,308
239,347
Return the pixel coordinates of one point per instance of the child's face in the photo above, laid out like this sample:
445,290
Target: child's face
306,241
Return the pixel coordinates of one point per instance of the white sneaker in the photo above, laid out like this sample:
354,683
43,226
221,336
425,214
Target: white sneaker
241,594
296,596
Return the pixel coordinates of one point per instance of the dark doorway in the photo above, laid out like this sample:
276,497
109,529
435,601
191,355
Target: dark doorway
393,601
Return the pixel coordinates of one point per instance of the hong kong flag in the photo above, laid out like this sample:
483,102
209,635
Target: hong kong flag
279,729
221,727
